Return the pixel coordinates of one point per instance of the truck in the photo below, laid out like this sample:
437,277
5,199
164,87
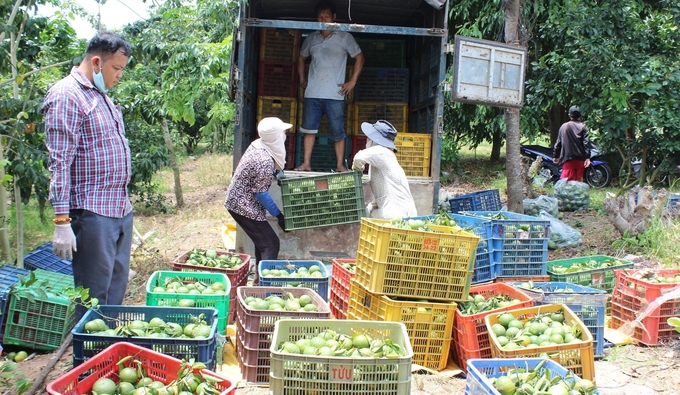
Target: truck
405,45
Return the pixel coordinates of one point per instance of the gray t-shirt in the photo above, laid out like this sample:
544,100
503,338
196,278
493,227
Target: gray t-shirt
327,67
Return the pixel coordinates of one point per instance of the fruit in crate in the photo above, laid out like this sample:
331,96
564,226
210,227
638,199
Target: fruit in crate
329,343
351,267
423,224
586,264
132,381
155,327
522,381
278,303
546,288
292,272
545,329
210,258
477,303
176,285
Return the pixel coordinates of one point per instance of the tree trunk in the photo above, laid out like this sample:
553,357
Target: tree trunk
513,164
4,234
555,120
632,212
497,141
173,163
20,223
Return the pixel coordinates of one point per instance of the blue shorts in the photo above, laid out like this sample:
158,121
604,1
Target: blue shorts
334,110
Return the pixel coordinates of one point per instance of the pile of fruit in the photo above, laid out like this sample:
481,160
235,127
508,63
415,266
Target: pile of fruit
572,195
545,288
584,265
351,267
479,304
132,381
423,224
301,272
210,258
329,343
175,285
546,329
155,327
277,303
17,356
520,381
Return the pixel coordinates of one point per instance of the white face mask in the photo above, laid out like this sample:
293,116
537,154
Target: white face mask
99,81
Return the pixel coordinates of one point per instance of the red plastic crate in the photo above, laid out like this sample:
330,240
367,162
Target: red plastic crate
290,151
357,144
155,365
258,325
631,296
338,309
341,277
277,79
237,277
470,335
253,362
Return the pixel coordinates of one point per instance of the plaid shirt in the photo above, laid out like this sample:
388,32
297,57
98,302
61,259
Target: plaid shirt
89,158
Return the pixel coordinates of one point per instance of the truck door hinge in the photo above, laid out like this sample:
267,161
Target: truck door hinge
437,31
237,74
446,87
448,48
238,36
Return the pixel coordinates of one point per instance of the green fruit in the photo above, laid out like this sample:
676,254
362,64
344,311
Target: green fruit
11,356
126,388
104,386
128,375
21,355
504,385
304,300
186,303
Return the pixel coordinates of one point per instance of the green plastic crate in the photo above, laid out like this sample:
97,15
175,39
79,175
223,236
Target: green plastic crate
43,321
603,278
219,302
324,200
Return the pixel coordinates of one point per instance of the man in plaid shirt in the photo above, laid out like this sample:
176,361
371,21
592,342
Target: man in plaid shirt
90,164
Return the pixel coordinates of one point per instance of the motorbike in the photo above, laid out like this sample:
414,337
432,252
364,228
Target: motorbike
597,175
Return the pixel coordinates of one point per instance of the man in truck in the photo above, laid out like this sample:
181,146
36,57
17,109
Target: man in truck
326,88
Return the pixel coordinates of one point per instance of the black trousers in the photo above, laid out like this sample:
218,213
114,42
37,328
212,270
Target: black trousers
267,243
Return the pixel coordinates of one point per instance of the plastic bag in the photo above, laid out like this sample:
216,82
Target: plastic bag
533,207
561,234
572,195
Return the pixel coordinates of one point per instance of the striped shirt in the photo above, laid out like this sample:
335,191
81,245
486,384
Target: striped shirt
89,155
254,174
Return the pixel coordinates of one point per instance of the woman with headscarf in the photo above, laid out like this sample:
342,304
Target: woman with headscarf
388,181
248,194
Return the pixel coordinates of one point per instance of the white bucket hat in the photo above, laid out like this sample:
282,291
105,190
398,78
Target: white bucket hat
381,132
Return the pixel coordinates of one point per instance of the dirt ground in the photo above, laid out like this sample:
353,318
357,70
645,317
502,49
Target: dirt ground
627,370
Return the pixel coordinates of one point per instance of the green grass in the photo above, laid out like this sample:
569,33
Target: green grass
36,232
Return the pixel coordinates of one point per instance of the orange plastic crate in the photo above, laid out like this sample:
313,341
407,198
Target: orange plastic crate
428,325
435,265
577,357
470,335
631,296
340,283
105,364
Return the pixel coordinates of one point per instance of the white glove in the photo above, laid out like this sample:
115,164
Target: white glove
64,241
357,166
370,208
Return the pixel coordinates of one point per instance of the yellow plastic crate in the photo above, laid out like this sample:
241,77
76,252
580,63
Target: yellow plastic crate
278,106
280,45
435,265
413,153
394,113
577,357
429,325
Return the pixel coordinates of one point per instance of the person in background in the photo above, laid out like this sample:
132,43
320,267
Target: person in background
248,196
572,148
90,166
326,88
387,178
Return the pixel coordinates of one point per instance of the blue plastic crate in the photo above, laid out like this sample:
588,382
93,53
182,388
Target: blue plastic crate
43,258
9,275
479,370
323,156
87,345
673,200
318,284
587,303
489,200
519,243
483,270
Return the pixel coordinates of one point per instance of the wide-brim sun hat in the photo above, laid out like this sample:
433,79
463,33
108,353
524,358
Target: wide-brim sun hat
381,132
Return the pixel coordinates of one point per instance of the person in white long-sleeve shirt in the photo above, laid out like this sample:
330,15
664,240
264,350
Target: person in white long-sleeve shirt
388,181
